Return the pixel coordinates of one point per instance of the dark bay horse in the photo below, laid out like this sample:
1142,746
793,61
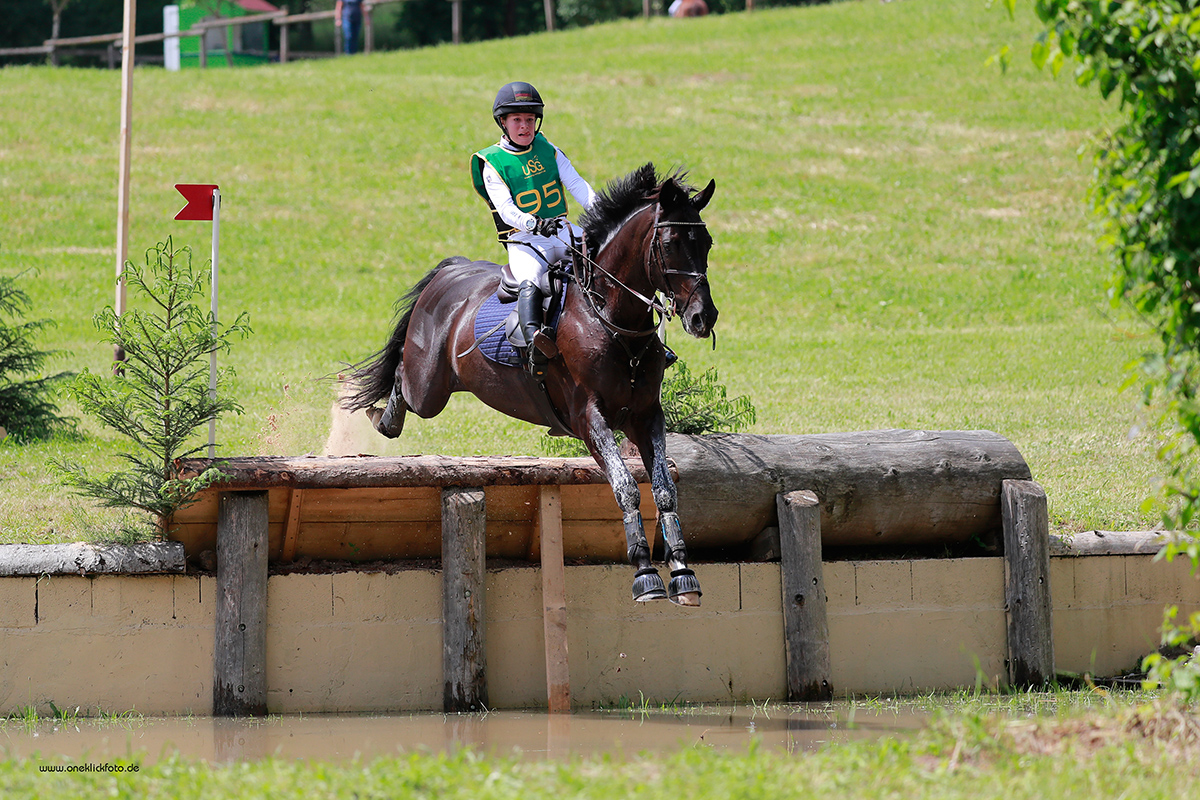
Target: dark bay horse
645,236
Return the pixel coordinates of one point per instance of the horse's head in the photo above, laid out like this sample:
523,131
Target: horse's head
678,258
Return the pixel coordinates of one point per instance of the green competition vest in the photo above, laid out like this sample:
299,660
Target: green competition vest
531,176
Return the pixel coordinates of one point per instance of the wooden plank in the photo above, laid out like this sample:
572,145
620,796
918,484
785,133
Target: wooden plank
240,646
326,472
369,541
291,529
83,558
1027,583
600,541
596,501
1110,543
805,621
398,504
554,600
509,539
464,662
516,503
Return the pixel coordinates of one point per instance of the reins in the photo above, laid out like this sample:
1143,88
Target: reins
665,311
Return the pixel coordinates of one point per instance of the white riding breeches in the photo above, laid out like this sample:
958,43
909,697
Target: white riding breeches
530,255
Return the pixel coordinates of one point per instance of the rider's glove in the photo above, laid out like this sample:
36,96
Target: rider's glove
547,227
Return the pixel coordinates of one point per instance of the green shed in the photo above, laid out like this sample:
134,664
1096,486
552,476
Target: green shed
235,45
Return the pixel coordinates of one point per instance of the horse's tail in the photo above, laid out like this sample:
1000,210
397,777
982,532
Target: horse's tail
372,379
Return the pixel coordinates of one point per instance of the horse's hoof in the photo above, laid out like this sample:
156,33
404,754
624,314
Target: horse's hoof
648,586
689,599
685,589
375,414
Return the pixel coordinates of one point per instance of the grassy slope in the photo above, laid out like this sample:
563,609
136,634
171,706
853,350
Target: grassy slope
902,238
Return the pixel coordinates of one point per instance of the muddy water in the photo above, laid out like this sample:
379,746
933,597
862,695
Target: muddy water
528,735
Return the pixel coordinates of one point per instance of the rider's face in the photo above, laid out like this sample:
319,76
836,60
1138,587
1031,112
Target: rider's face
520,128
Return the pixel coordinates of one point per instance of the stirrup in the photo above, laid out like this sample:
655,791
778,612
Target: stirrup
544,344
535,363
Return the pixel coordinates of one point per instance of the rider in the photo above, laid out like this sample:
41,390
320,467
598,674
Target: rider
522,178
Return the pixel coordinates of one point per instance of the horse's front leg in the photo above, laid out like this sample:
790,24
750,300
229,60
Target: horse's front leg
647,584
650,438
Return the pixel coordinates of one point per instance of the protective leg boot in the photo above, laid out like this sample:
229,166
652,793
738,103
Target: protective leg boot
671,356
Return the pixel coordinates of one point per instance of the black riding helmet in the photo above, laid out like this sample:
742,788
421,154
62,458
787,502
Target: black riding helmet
514,97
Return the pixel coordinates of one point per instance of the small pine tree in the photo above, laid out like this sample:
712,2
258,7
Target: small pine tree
27,411
159,396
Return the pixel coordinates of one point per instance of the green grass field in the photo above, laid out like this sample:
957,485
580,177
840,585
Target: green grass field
902,232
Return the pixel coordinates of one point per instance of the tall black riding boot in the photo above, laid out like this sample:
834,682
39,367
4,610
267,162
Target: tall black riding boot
529,317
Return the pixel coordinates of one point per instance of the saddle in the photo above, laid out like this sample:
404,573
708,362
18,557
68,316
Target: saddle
498,334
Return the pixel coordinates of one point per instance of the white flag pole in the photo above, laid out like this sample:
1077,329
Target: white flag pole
212,368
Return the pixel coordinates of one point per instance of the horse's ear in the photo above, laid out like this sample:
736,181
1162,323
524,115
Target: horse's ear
701,200
671,195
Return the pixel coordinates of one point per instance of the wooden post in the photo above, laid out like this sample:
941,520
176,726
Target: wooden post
548,7
456,21
554,599
240,648
368,29
204,50
1027,583
805,623
464,663
125,153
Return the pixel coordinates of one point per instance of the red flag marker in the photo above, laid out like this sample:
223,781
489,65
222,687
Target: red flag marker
204,203
199,198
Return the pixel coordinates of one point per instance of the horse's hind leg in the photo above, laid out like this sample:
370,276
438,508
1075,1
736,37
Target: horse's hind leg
647,584
390,421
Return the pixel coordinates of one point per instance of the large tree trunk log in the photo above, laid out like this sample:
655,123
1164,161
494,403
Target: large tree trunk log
90,559
875,487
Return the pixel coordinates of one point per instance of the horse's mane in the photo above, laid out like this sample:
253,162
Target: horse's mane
623,196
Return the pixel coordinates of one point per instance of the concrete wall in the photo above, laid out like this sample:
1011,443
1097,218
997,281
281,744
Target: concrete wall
359,641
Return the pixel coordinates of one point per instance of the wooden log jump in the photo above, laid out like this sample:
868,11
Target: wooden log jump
866,488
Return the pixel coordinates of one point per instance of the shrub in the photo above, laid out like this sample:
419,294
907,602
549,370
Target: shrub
1147,173
27,410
